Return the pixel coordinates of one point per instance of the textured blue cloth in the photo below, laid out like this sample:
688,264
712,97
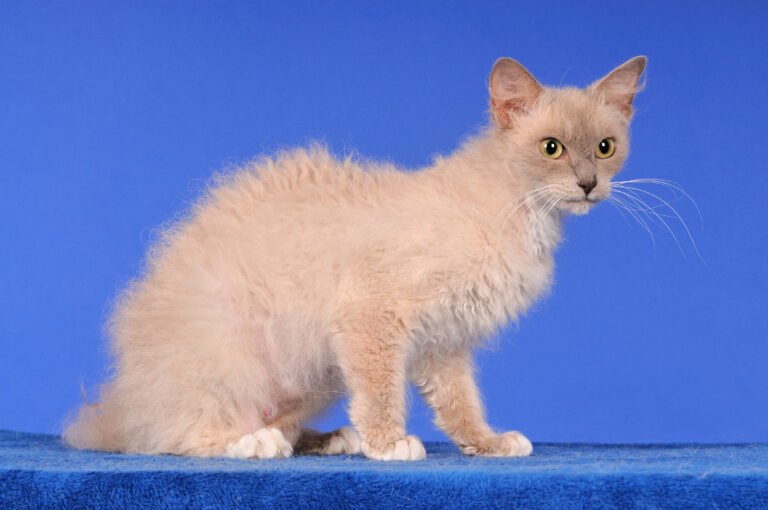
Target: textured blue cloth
37,471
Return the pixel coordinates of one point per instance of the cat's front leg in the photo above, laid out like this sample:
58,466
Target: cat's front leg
448,385
372,357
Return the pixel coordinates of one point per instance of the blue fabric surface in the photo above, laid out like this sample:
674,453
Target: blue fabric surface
38,471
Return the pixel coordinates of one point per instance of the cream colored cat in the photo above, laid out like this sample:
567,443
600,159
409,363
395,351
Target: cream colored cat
300,278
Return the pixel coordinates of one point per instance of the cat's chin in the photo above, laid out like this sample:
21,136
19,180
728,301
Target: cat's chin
577,207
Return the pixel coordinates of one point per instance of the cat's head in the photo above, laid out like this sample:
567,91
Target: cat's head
571,140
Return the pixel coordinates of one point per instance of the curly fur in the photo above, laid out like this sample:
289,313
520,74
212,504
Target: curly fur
299,277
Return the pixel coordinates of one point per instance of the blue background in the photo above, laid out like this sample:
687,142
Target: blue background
111,117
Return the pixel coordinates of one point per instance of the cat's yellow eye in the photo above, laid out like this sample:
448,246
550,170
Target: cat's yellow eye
605,148
551,148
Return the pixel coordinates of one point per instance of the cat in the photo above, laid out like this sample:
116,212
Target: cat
300,278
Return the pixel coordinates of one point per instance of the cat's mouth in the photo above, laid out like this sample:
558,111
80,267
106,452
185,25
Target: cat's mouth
585,200
580,205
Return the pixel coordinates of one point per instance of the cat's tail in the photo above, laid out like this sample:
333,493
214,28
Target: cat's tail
90,429
85,399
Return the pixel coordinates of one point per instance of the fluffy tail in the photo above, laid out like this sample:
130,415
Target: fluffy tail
85,399
89,430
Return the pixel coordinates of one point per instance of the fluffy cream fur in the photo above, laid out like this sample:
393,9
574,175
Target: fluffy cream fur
302,277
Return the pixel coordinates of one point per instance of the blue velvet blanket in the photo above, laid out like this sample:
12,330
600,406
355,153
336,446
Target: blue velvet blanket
37,471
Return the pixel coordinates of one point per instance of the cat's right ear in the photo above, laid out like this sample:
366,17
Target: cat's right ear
513,90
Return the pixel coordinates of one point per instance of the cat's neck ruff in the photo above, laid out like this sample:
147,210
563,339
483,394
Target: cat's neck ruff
495,186
544,223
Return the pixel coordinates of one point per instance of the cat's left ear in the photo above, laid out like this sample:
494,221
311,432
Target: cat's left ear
619,87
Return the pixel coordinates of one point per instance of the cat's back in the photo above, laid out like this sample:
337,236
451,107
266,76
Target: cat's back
279,218
308,176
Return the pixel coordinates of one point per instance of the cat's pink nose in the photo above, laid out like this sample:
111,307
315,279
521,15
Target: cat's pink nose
587,184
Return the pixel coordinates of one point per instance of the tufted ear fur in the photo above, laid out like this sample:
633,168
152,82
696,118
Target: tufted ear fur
619,87
513,90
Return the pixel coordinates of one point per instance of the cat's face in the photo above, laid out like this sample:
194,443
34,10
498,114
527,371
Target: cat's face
569,142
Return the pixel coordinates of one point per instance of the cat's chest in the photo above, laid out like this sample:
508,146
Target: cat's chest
542,235
491,294
519,272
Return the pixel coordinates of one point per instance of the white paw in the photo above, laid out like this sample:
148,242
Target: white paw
347,441
514,444
262,444
408,448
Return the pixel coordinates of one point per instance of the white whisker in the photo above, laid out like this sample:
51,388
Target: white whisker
668,184
646,209
674,211
518,200
551,204
617,203
534,195
626,190
642,207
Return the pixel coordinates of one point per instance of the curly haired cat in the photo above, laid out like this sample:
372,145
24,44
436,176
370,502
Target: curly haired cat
301,277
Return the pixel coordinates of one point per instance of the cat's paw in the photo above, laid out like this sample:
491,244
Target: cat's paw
514,444
346,440
266,443
509,444
407,448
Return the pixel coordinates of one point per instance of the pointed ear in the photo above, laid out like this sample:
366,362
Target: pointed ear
513,90
619,87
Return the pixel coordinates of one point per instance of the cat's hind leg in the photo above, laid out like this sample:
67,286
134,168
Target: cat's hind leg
265,443
283,434
343,441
